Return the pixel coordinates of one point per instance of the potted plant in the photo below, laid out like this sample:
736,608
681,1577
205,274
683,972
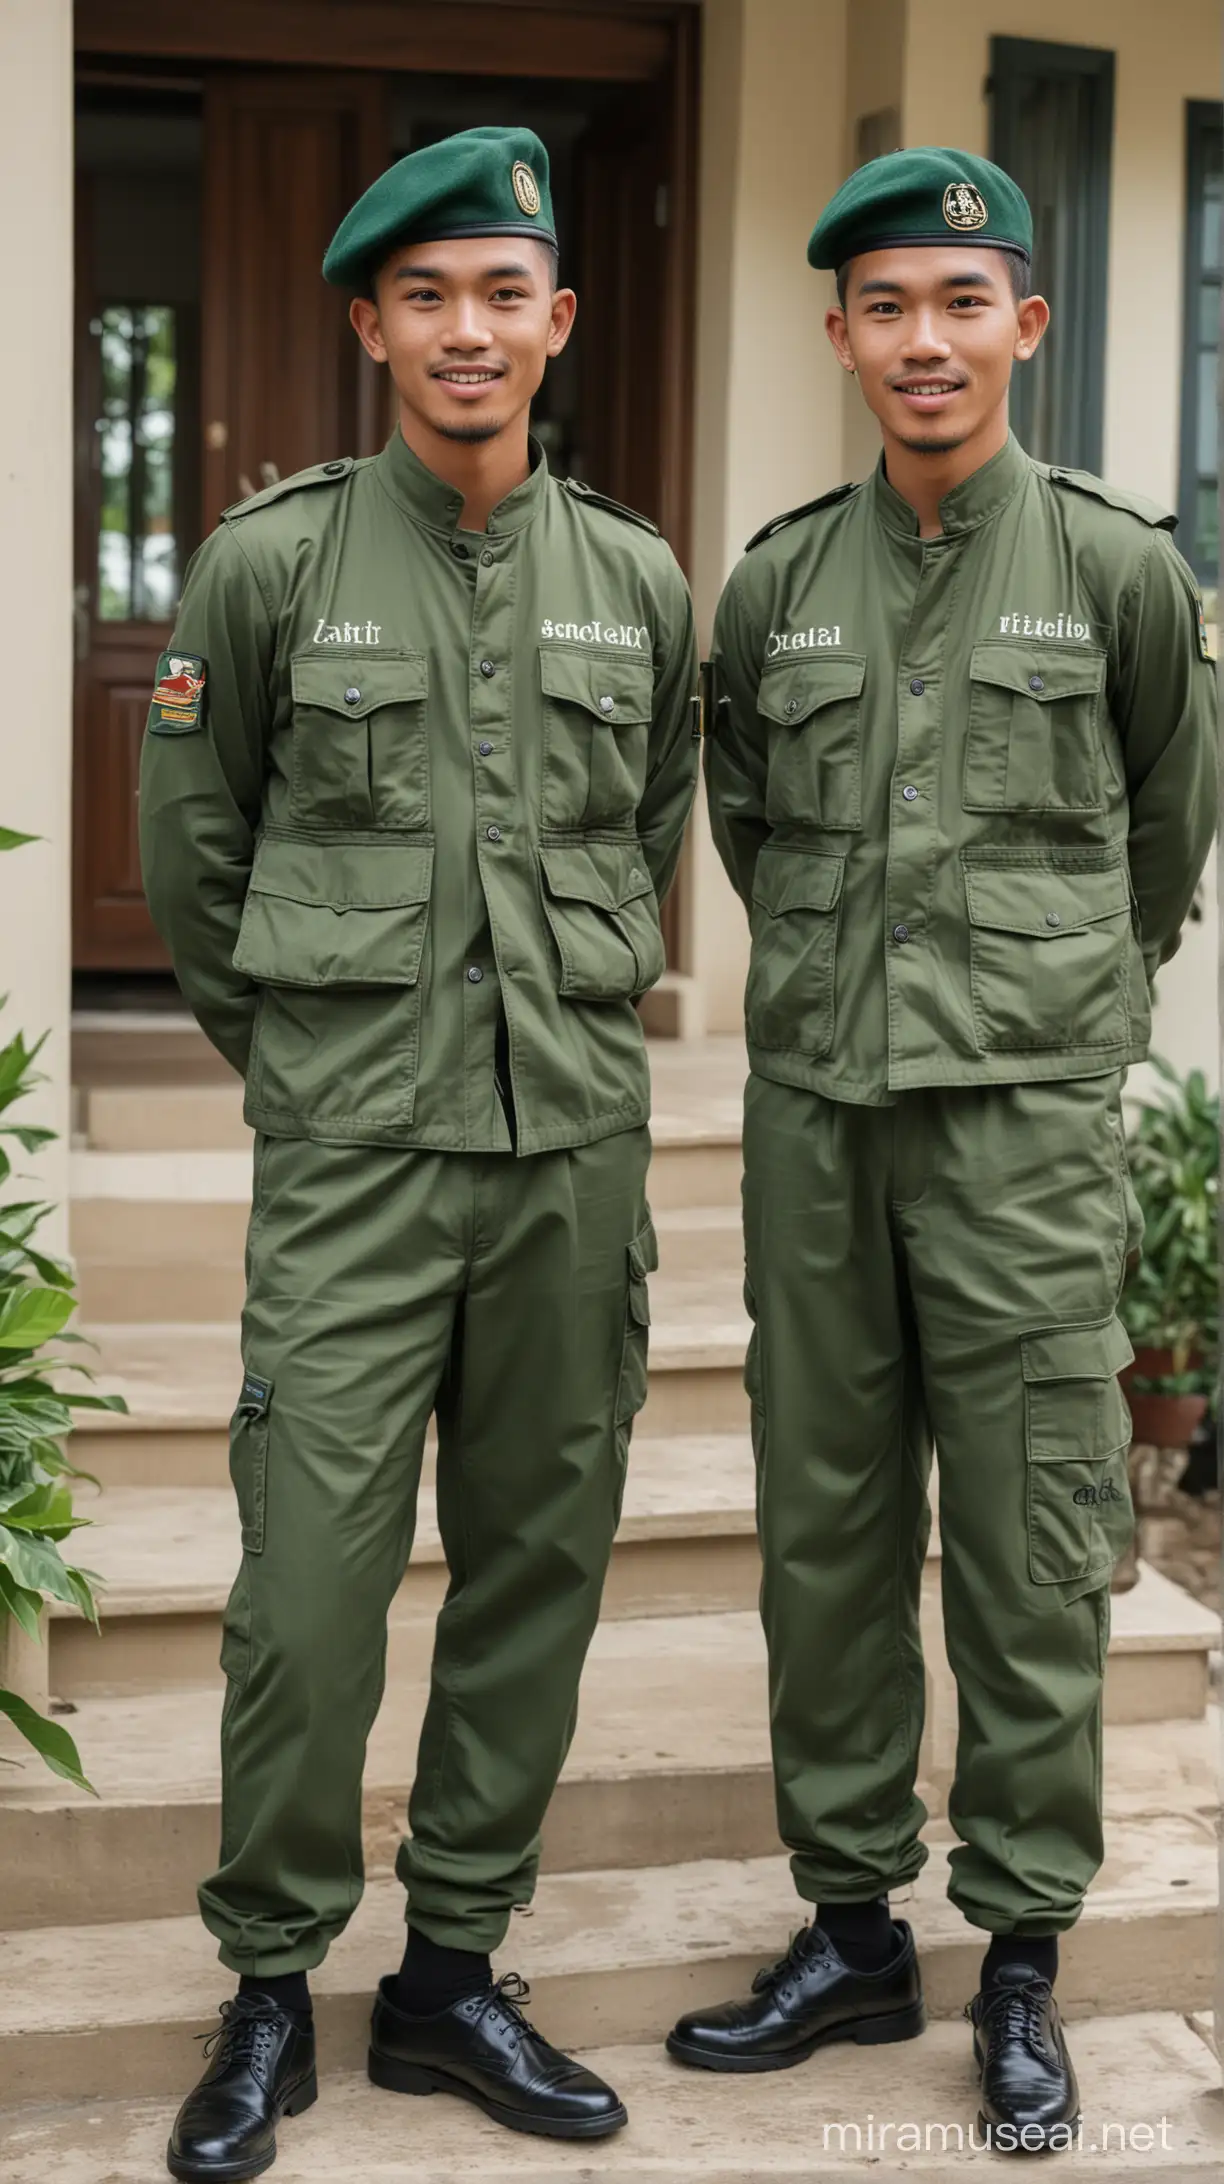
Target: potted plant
36,1519
1171,1301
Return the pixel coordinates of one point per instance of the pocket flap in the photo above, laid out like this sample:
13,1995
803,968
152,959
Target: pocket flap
1077,1353
604,873
644,1251
322,678
797,880
343,875
791,694
1045,902
618,692
1037,671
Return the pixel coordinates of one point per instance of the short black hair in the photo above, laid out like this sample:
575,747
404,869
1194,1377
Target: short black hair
551,254
1019,273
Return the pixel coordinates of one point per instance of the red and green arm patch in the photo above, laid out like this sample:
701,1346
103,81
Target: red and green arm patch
177,705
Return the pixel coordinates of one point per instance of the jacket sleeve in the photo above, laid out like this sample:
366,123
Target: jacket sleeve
1166,711
201,792
671,773
737,760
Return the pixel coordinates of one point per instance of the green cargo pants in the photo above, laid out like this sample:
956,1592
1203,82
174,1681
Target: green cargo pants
947,1267
509,1296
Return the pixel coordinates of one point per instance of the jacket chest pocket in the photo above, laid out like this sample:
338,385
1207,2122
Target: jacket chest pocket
1048,955
815,731
334,933
360,757
1034,740
597,712
790,998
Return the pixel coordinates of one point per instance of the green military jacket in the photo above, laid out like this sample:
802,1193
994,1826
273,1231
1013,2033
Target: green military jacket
965,785
410,798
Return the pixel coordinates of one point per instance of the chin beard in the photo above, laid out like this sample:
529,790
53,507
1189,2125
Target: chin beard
470,435
928,446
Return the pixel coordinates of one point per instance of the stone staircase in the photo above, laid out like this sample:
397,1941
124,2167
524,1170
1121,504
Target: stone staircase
662,1883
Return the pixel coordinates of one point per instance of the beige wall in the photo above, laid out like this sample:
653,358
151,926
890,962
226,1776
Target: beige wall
768,397
36,547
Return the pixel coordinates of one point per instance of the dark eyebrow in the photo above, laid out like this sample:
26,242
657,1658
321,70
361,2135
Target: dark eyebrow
970,278
434,273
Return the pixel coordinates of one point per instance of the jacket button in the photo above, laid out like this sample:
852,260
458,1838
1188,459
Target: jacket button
493,833
487,668
475,974
917,686
1052,918
1036,683
487,560
792,705
484,749
332,470
352,695
606,705
901,933
909,792
458,549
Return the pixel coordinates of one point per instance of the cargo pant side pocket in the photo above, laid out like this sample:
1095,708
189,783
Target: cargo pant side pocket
248,1459
1077,1432
643,1259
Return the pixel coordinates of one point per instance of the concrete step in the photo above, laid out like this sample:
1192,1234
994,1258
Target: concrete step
161,1235
168,1555
181,1382
1149,2085
613,1958
670,1762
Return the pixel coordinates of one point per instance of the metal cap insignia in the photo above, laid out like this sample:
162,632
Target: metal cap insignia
527,189
964,207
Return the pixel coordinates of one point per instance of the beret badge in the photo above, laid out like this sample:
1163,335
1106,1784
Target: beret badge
526,188
964,207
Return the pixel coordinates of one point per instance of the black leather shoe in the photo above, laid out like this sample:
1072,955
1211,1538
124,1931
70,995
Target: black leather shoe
484,2049
808,1998
263,2069
1030,2100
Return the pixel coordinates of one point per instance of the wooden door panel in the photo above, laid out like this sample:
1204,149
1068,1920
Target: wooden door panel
285,382
112,927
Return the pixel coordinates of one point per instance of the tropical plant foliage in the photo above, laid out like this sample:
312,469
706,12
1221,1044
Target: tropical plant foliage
36,1409
1172,1298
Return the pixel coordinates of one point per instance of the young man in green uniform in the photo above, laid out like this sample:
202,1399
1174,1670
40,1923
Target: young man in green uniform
961,772
418,766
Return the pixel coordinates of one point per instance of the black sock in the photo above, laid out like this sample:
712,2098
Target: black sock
1038,1951
431,1978
862,1933
288,1990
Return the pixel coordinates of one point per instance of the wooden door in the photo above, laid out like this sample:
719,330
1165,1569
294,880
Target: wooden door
285,381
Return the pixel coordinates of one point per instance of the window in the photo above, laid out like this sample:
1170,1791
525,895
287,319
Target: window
1198,499
138,557
1052,130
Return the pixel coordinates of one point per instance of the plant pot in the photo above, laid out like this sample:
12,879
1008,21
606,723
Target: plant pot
1166,1421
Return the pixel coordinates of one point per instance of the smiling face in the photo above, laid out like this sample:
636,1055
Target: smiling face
466,328
933,335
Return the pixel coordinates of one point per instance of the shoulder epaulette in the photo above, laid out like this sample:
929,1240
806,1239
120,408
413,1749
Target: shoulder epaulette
318,474
1134,504
580,492
779,523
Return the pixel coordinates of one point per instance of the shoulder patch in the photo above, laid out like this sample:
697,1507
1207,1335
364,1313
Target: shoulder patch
1133,504
580,492
779,523
177,704
318,474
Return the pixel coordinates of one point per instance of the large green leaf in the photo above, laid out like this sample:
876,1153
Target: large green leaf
11,839
50,1741
29,1317
35,1564
25,1607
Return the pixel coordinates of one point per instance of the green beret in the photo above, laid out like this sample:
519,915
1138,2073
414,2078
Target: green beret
482,182
932,194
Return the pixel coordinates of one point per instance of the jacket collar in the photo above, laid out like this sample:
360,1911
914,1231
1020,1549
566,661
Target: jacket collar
431,501
979,496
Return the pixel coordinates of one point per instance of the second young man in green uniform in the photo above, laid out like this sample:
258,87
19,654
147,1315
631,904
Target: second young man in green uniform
417,770
961,772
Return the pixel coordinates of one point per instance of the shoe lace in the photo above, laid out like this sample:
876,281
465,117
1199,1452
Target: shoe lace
507,2003
1015,2013
245,2033
807,1942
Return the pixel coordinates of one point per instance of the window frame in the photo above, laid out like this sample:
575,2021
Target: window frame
1204,118
1012,61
